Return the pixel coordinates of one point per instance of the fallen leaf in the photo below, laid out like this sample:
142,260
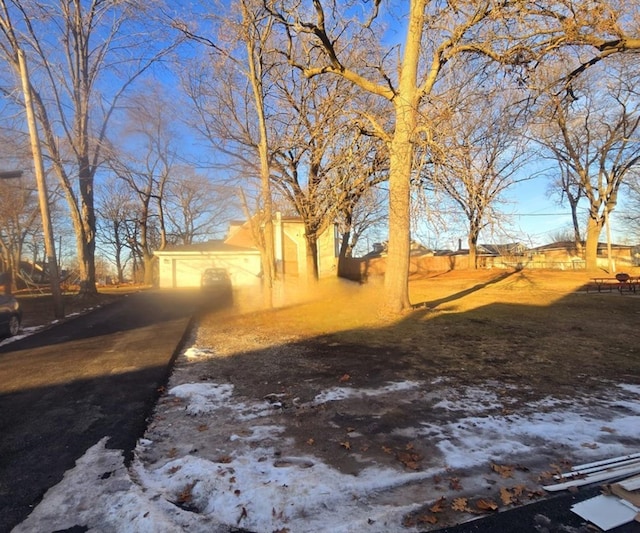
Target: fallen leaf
590,445
505,496
311,442
346,444
174,469
486,505
364,447
505,471
409,460
438,506
386,449
427,519
545,477
607,429
460,504
409,446
237,492
224,459
185,494
203,427
345,378
454,483
172,452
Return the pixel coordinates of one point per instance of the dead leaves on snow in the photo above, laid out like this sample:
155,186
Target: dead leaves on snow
443,510
441,506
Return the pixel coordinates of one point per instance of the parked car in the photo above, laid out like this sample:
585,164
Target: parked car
216,280
10,315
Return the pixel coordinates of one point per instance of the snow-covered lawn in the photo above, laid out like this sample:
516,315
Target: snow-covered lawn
213,460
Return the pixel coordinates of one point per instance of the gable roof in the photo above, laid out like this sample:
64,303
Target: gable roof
241,235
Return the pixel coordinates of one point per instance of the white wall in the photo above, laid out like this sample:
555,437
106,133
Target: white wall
184,270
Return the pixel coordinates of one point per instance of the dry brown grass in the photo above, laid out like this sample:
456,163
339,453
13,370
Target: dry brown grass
537,329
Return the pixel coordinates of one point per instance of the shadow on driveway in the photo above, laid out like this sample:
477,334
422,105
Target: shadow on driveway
65,388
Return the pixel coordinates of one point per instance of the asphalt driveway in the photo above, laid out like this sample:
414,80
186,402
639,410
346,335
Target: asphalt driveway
65,388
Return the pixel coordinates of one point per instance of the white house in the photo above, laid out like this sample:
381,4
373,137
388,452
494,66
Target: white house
181,266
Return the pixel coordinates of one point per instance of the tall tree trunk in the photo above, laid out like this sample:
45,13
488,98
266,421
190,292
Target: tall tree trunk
577,236
473,251
405,103
254,41
474,232
344,252
594,228
312,257
396,279
148,268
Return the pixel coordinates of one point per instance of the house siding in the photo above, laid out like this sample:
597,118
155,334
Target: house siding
177,271
182,266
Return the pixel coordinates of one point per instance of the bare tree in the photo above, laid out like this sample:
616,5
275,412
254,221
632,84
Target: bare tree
566,186
322,163
116,210
241,44
475,152
311,136
85,54
145,160
631,215
361,204
592,136
512,33
196,207
19,223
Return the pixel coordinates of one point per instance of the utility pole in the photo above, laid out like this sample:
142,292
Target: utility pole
43,197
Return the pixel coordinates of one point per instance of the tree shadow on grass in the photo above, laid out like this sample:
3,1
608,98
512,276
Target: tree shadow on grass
431,304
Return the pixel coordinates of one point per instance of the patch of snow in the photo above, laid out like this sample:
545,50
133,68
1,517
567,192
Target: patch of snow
345,393
630,388
203,398
197,353
251,486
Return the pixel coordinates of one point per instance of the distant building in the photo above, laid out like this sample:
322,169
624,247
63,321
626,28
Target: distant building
181,266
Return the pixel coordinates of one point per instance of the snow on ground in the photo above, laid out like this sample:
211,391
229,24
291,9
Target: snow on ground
255,488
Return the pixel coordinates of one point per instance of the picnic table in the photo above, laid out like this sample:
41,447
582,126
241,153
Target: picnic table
622,282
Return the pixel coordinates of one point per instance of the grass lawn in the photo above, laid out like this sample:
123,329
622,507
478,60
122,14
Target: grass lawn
536,328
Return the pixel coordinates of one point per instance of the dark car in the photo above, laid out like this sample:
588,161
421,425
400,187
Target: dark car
216,280
10,315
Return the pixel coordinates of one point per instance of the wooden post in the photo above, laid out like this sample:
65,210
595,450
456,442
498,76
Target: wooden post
43,197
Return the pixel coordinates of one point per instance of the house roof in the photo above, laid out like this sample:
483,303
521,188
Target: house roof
570,245
508,248
217,245
241,235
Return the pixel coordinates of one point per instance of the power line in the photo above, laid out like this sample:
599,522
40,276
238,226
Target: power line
540,214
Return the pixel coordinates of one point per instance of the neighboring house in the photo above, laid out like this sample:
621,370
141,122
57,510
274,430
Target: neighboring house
182,266
564,255
512,249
